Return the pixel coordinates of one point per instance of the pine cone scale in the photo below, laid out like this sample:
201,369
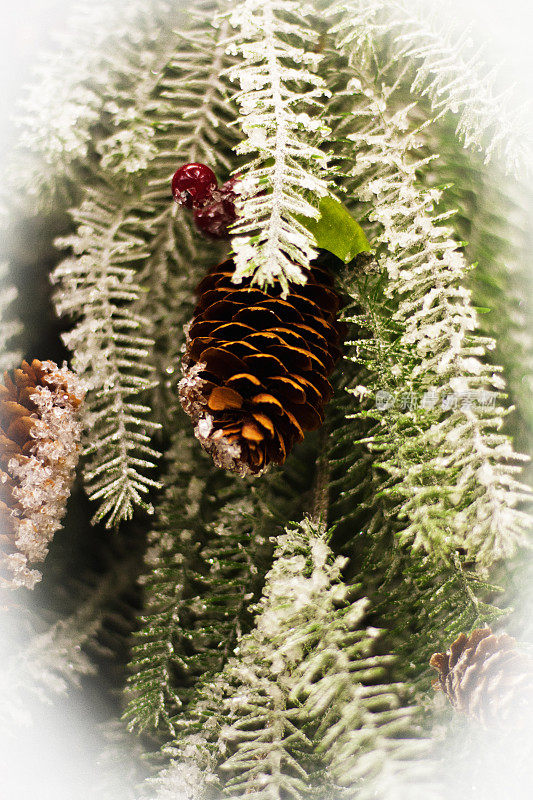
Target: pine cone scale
256,366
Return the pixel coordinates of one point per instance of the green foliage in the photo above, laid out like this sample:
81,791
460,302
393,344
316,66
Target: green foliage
336,230
432,402
200,578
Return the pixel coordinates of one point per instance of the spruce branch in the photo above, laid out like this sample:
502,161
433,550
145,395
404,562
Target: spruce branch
190,117
443,64
280,117
97,288
435,364
57,658
492,220
66,109
10,327
367,729
199,581
307,659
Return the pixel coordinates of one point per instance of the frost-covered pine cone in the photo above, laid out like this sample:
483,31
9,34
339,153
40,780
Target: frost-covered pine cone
487,678
39,448
256,365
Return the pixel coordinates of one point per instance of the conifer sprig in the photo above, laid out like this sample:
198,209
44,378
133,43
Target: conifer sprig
97,288
10,328
188,113
66,110
442,407
307,653
185,637
443,63
280,101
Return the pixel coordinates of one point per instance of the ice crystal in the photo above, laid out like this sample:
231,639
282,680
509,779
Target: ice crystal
43,478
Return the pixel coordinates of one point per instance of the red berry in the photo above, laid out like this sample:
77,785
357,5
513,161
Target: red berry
214,218
193,184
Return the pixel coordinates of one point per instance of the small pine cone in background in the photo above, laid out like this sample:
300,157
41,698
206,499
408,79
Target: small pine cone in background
39,448
487,678
256,365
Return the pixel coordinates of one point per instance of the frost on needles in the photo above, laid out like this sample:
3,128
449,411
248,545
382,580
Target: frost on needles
453,476
306,698
280,101
131,251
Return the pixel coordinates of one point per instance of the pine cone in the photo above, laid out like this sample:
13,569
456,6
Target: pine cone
256,365
487,678
39,445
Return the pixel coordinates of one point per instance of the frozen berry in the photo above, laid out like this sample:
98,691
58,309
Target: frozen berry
193,184
214,218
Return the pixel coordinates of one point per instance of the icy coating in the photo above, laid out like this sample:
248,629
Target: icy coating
43,479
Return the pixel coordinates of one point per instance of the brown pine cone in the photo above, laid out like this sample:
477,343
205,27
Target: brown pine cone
487,678
256,366
39,446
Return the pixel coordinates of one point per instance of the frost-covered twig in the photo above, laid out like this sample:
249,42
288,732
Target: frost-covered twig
448,423
54,660
308,659
444,64
111,351
10,329
282,125
62,115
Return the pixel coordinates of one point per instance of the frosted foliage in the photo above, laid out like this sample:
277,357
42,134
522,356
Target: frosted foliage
193,111
67,100
9,328
43,479
48,663
437,352
307,659
282,128
112,354
443,63
184,779
260,738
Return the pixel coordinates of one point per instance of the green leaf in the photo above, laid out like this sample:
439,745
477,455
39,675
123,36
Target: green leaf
336,230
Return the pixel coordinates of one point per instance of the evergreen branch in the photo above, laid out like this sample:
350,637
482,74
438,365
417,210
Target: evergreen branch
189,777
266,751
445,66
450,472
10,329
307,659
97,289
493,222
199,581
65,111
189,117
55,659
281,125
366,730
